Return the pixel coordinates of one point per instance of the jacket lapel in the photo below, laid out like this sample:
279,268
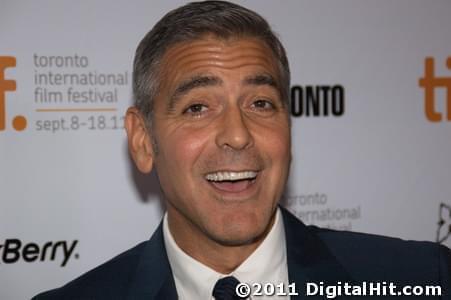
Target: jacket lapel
309,259
153,277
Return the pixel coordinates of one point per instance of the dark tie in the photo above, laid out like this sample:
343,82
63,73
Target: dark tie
225,289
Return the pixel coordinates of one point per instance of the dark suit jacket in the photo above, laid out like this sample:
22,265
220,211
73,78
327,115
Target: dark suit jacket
314,255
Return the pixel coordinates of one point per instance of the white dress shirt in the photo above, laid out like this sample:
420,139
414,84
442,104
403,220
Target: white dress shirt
267,264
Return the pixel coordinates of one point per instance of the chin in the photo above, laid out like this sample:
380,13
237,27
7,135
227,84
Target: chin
236,240
239,233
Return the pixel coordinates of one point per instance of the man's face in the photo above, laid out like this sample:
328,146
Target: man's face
223,138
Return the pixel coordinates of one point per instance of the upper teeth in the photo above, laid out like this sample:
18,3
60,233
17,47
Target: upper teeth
231,176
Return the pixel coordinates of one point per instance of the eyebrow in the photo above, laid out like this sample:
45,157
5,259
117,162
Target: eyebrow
199,81
192,83
261,79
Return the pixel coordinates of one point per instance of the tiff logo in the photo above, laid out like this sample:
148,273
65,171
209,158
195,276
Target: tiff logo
430,82
19,122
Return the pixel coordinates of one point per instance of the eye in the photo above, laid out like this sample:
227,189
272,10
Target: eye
195,109
262,104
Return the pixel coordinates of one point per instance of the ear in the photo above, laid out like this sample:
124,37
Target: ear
139,140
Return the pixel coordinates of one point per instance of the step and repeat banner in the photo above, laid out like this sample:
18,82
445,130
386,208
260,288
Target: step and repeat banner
371,125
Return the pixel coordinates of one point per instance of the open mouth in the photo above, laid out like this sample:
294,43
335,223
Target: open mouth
232,181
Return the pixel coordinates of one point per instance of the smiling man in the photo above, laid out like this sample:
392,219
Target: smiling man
222,137
211,84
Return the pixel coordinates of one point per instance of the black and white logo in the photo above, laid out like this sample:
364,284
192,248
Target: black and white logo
14,250
444,223
317,101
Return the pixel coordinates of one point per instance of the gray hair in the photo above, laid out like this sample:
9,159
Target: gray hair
192,22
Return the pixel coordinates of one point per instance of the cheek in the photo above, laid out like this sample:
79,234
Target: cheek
175,168
179,152
276,143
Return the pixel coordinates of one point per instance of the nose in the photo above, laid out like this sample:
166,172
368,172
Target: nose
233,131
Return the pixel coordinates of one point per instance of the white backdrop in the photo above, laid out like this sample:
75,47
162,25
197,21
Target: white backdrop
70,198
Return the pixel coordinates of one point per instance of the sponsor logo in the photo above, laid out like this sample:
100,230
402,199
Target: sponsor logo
444,223
430,82
14,250
318,209
19,123
317,101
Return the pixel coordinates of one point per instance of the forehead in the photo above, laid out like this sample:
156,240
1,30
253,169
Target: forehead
237,57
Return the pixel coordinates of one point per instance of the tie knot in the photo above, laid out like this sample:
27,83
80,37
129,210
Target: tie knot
225,289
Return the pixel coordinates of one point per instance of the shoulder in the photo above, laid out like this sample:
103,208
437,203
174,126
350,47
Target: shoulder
363,244
110,280
372,256
369,257
364,253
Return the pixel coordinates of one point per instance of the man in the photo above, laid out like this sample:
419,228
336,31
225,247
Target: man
211,84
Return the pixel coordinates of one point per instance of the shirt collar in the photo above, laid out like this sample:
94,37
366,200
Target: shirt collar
194,280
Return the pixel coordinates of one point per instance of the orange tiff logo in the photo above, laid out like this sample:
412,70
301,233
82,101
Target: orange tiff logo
430,82
19,122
